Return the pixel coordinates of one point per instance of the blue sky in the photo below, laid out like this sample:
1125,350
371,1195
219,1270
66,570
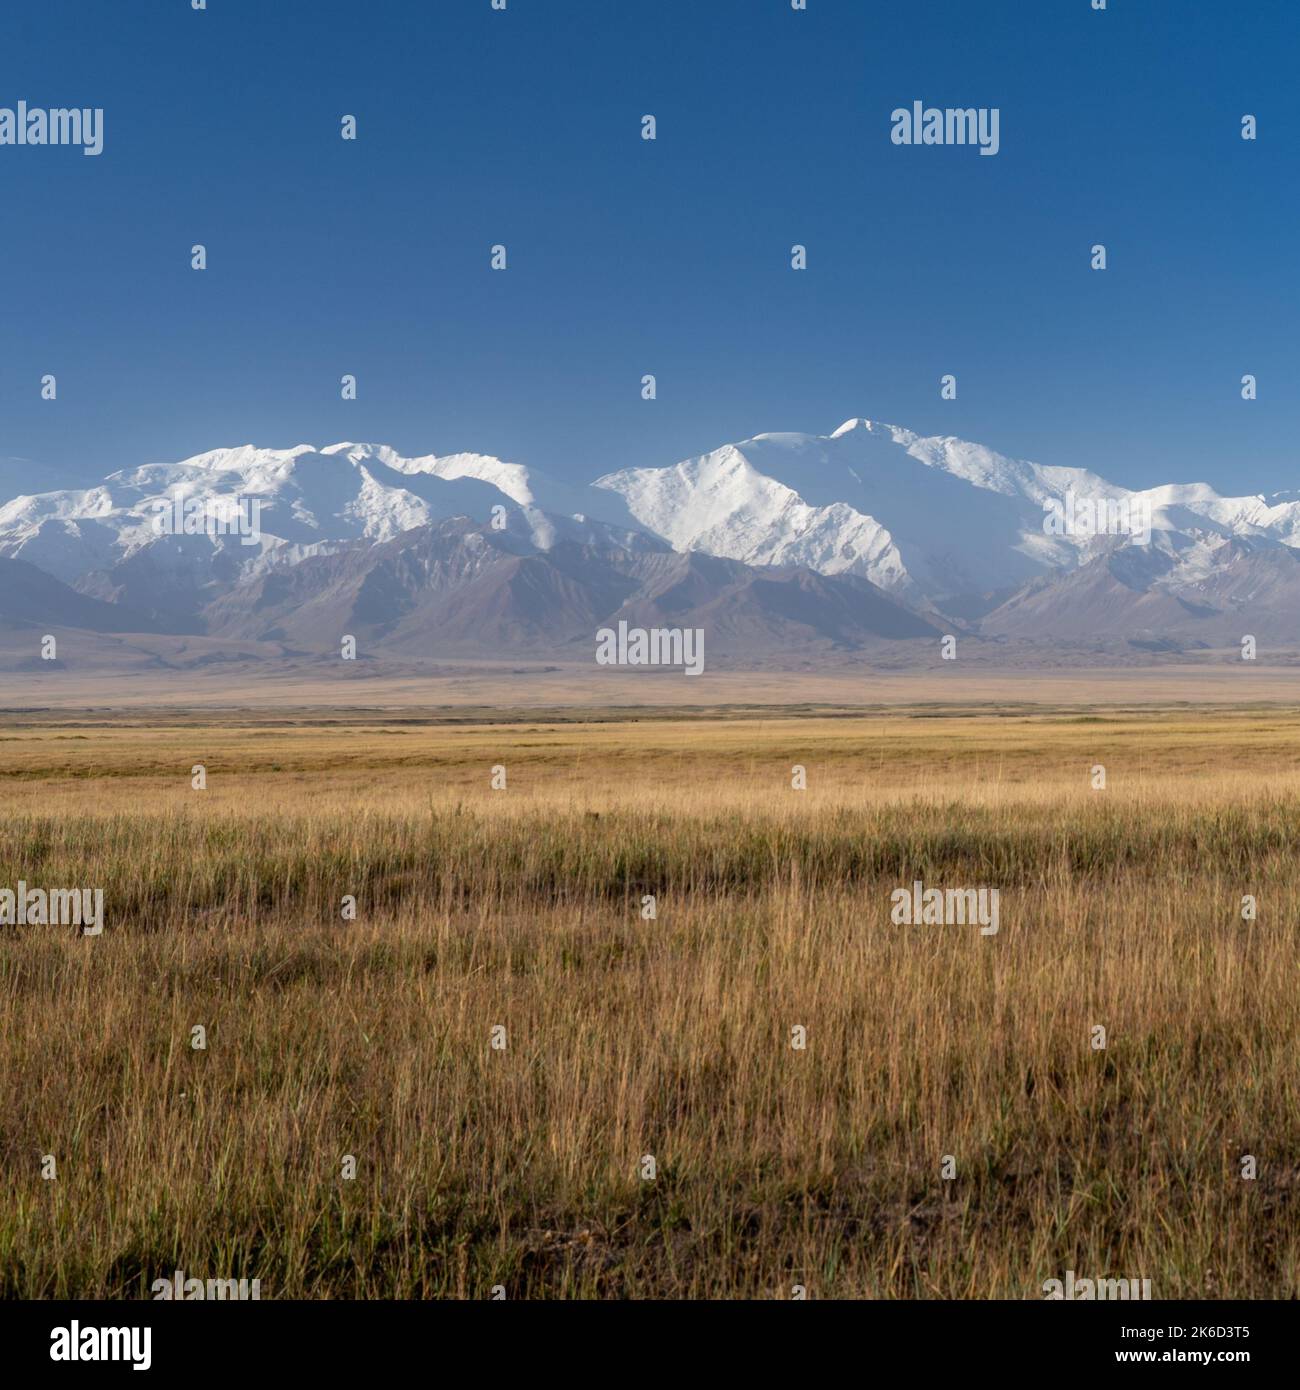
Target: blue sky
672,257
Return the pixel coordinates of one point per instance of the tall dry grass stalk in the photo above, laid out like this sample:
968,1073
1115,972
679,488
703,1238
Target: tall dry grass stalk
671,1037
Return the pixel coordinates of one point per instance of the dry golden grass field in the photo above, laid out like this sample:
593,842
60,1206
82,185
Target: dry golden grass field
522,909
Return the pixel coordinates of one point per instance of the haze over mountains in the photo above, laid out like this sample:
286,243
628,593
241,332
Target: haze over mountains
784,546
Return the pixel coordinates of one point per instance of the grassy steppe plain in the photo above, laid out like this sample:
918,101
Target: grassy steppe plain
672,1037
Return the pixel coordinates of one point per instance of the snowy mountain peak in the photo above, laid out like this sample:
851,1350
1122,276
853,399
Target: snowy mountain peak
243,457
941,523
307,498
927,518
871,427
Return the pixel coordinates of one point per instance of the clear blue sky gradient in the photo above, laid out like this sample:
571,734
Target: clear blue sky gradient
670,257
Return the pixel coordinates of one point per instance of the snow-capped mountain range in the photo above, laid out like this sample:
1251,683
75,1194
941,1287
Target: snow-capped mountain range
310,501
935,519
950,530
